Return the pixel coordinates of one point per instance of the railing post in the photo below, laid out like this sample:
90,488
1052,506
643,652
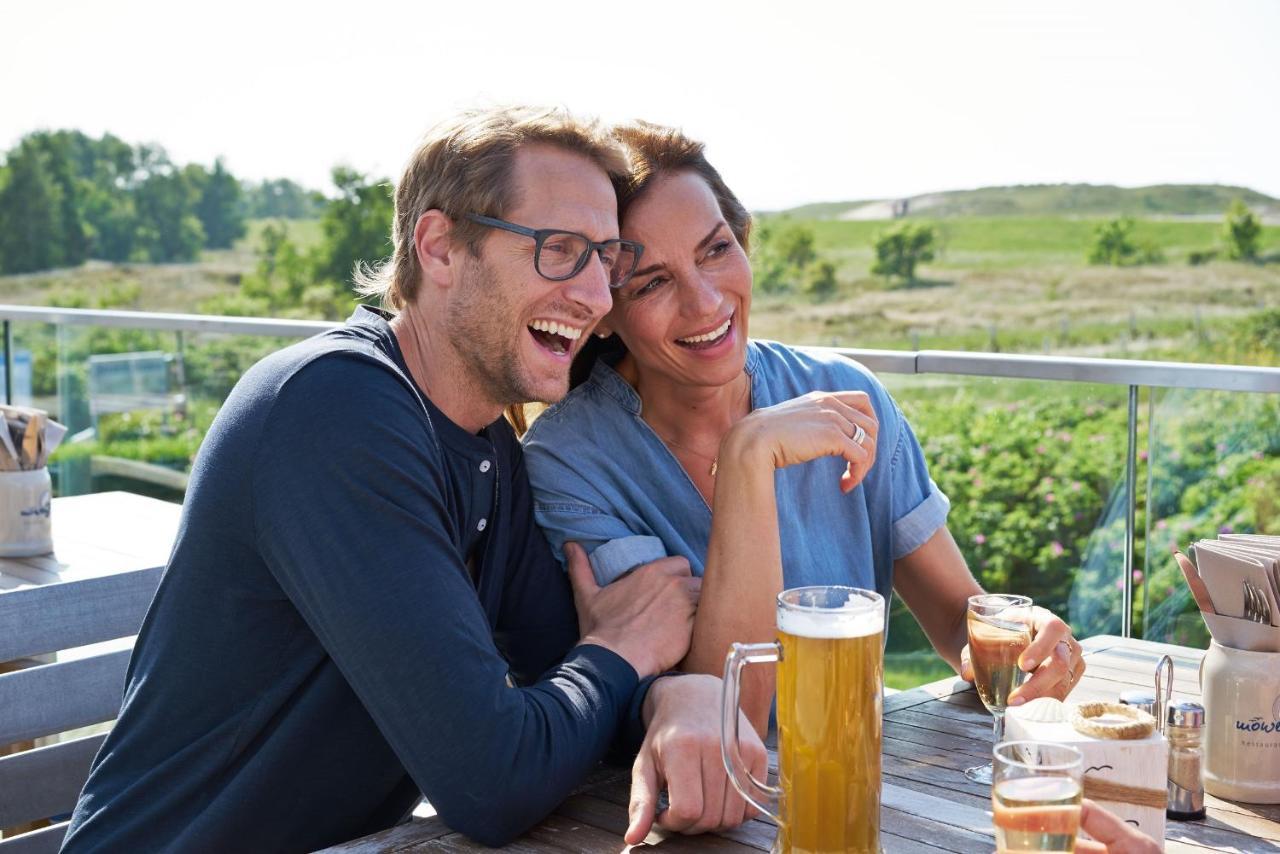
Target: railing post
8,363
1130,516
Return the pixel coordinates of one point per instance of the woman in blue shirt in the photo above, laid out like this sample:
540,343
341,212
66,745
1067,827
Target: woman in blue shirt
685,437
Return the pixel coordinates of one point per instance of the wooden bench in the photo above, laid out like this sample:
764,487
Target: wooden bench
66,627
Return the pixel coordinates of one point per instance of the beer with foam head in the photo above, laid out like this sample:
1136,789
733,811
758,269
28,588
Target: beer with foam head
829,704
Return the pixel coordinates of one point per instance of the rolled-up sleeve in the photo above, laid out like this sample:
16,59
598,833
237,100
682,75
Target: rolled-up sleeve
919,507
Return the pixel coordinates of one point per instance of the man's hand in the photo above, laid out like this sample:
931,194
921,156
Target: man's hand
681,753
646,617
1054,659
1112,835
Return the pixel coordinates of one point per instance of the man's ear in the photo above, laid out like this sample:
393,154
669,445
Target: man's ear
432,240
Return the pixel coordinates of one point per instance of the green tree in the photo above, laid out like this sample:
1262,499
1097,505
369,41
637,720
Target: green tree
168,228
900,248
1114,244
1240,232
30,213
219,209
280,199
783,252
356,226
820,283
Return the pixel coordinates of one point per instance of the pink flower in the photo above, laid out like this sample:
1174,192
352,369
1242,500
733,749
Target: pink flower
1222,447
1056,548
1225,529
980,539
1137,576
1050,498
1064,436
1040,449
1119,583
1257,455
1162,524
1076,486
1142,455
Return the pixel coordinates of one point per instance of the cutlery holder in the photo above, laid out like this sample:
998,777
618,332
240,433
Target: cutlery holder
1241,693
24,513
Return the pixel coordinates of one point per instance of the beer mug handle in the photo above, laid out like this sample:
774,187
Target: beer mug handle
758,793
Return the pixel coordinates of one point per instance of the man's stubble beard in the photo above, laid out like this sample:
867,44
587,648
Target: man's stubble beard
480,331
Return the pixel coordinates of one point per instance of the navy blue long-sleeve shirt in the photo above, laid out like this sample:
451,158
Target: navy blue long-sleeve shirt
358,608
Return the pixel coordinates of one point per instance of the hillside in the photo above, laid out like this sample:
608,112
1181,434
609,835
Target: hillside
1172,200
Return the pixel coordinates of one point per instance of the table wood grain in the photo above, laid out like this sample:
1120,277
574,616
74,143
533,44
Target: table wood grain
931,734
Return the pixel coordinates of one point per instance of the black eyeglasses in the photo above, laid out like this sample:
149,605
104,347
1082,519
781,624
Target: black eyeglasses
560,255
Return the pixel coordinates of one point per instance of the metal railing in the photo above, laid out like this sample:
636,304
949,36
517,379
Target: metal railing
1130,373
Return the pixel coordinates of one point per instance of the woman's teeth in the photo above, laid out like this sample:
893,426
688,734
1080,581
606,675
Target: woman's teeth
710,336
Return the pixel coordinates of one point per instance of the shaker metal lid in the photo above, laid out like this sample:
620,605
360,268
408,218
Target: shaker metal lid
1139,697
1185,713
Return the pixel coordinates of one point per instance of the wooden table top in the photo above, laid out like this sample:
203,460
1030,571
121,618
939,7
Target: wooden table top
931,734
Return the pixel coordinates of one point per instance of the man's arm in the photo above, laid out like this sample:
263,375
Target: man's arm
351,518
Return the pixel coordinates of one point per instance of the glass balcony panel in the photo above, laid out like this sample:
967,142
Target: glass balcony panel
1035,472
1213,468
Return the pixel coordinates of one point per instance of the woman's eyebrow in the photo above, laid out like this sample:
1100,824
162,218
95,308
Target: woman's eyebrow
710,235
653,268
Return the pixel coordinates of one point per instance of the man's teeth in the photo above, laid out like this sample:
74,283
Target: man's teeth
553,328
710,336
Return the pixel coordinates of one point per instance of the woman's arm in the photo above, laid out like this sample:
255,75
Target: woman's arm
743,571
936,584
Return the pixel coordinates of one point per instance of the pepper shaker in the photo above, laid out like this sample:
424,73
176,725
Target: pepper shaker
1184,728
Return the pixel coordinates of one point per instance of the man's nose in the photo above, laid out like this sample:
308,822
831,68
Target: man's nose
590,288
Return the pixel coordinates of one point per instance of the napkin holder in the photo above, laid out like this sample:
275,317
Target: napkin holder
25,529
1127,776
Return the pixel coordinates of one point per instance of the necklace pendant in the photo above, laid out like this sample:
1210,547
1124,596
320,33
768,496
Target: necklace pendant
714,465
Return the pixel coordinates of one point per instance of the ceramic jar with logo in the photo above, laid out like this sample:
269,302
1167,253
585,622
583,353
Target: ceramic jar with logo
24,513
1241,692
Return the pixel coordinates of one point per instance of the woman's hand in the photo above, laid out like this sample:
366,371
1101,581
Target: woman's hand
1054,659
818,424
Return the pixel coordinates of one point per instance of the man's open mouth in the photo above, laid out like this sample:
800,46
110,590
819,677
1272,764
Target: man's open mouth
553,336
707,339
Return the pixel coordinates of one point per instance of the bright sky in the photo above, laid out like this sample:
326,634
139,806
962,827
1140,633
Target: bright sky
798,101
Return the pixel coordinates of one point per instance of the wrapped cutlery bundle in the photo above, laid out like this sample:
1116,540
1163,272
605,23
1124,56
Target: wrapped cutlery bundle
1236,583
27,439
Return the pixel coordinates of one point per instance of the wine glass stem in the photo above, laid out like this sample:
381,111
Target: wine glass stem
997,725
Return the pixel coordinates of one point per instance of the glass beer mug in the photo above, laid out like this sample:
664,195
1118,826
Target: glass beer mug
830,659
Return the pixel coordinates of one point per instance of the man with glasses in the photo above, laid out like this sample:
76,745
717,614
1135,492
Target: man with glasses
359,607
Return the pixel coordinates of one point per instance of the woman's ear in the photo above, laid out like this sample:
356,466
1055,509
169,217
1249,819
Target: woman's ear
603,330
432,241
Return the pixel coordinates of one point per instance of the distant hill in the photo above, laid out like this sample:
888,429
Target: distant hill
1179,200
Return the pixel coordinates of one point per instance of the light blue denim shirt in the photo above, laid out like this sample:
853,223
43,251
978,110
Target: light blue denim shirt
603,478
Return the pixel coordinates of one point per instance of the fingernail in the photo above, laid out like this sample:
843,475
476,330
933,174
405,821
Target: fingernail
1017,701
1029,664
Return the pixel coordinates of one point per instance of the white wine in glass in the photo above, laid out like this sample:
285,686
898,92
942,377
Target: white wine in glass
999,632
1036,796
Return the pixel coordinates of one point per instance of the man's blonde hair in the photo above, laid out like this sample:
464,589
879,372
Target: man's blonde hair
463,166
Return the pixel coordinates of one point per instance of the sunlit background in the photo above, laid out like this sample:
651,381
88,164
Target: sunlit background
799,101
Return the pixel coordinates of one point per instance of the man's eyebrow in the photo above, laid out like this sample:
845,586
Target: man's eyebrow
653,268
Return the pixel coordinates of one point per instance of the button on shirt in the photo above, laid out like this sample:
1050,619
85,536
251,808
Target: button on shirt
603,478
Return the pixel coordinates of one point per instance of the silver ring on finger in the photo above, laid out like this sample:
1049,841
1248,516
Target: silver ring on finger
858,434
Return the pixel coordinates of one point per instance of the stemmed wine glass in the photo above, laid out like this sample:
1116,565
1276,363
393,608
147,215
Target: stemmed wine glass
999,631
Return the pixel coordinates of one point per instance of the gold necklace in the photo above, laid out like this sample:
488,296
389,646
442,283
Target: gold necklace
715,460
